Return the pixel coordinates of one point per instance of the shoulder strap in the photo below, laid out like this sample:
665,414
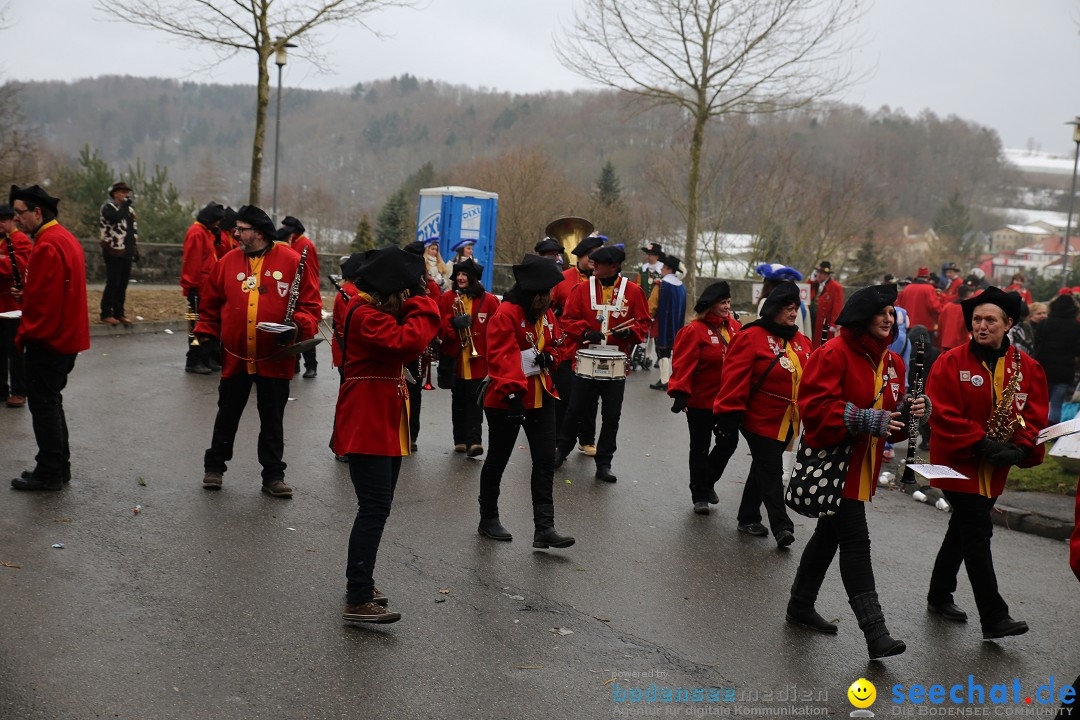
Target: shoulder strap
757,385
345,334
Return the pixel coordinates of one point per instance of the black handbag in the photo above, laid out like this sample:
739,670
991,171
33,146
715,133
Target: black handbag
817,480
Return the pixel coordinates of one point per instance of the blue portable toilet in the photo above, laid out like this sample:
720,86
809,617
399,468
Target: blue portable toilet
455,213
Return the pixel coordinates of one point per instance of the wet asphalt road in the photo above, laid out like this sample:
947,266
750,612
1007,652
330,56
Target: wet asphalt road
227,605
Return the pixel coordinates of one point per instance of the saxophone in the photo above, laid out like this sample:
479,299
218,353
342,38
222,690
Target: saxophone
1005,420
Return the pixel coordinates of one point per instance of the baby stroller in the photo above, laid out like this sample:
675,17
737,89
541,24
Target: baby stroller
638,358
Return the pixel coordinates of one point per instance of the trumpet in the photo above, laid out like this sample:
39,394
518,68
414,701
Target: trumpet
465,333
192,318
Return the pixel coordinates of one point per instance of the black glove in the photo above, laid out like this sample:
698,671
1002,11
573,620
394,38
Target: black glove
545,360
460,322
1009,454
680,400
726,424
515,408
287,337
593,336
621,334
987,447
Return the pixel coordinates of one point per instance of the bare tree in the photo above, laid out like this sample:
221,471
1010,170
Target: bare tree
258,26
18,142
712,58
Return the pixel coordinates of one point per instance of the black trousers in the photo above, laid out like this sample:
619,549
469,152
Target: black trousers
271,396
11,361
585,394
706,466
416,398
765,484
311,362
467,417
564,385
967,541
374,478
539,425
46,377
845,531
117,275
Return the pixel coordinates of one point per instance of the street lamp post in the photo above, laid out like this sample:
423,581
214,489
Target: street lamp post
279,60
1072,198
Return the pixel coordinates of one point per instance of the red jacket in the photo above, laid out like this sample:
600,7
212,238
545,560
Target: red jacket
1025,294
560,293
229,313
340,306
372,416
482,310
963,393
923,303
54,294
228,242
698,358
200,257
829,304
578,317
22,246
772,410
952,332
951,291
851,369
507,337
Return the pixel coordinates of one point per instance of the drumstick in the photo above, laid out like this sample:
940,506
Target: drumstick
623,326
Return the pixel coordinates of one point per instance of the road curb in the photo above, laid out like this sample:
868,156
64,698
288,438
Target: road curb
137,328
1031,522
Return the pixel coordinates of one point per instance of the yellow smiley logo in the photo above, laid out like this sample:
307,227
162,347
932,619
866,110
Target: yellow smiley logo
862,693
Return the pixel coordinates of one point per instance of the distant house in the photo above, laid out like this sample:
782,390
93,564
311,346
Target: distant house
1044,257
1012,237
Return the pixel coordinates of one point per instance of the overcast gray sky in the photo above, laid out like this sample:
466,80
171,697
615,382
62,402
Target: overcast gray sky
1007,64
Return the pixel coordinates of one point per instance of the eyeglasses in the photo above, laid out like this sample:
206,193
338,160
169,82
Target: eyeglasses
24,212
239,229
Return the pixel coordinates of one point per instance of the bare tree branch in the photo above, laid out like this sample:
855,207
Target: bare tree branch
258,26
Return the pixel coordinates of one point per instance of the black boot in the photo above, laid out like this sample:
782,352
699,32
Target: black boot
545,535
800,607
492,528
872,622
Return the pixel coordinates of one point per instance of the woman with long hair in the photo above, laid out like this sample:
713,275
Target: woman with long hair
696,364
850,394
759,391
436,268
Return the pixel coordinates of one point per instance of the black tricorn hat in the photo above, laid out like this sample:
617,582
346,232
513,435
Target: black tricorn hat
212,213
609,255
865,304
416,247
257,218
228,219
995,296
470,267
824,266
587,245
653,248
535,274
390,270
352,264
33,194
672,262
118,186
294,224
779,298
548,245
713,294
283,234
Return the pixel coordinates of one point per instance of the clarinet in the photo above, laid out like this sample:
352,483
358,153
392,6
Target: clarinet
824,330
334,281
15,272
294,293
913,394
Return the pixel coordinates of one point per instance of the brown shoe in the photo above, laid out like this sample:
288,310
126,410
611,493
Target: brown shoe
212,480
125,321
110,321
15,401
475,450
277,488
460,447
379,598
369,612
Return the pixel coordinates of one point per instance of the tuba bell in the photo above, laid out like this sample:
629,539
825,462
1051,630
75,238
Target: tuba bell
569,231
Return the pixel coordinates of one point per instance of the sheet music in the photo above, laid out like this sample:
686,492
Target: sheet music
930,472
528,362
1060,430
273,327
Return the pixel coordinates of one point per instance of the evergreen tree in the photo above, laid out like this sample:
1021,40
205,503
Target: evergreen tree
82,190
392,228
608,187
955,231
364,239
867,262
162,216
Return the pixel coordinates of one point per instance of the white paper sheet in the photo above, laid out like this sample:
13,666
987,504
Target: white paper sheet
528,362
11,314
931,472
1060,430
273,327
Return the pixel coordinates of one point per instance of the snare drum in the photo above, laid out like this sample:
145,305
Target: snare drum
604,362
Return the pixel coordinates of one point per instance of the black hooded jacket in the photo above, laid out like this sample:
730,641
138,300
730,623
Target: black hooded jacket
1057,341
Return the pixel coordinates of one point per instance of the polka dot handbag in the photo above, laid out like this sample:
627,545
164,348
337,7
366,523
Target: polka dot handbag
817,480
